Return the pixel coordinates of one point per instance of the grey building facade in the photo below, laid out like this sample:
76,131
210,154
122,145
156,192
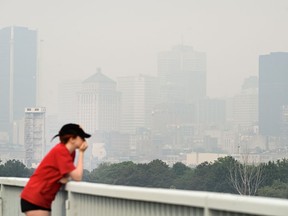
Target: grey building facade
273,92
18,71
182,75
98,104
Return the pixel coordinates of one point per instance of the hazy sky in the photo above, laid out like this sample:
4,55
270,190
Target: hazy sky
123,37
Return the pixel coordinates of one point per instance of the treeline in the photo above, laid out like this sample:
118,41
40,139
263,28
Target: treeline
225,175
14,168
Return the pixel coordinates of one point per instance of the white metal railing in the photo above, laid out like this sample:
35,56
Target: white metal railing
85,199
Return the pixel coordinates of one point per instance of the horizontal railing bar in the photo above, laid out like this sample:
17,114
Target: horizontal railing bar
13,181
210,200
206,200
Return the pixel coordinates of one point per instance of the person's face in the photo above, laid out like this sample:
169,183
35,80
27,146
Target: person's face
77,141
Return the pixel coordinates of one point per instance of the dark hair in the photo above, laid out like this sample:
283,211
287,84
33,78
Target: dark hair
65,138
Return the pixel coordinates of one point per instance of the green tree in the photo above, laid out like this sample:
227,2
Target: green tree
179,169
210,176
221,174
154,174
276,171
15,168
119,174
201,177
217,176
184,181
277,189
158,174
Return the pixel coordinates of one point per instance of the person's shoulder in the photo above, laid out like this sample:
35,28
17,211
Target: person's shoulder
60,149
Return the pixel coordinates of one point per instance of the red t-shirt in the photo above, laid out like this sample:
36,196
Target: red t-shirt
43,185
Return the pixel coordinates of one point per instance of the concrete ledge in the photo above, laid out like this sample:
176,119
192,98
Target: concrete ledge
207,201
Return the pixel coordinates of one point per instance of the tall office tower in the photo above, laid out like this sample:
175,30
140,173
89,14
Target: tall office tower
182,74
212,112
273,88
98,104
138,96
34,135
67,101
18,66
245,105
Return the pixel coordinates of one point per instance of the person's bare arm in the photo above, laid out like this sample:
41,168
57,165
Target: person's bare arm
77,173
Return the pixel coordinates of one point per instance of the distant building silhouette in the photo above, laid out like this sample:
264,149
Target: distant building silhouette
172,122
284,125
18,67
182,74
245,105
250,83
139,94
68,101
182,84
34,135
212,112
273,92
98,104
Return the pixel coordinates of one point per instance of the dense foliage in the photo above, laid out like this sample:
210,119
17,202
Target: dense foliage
272,178
14,168
216,177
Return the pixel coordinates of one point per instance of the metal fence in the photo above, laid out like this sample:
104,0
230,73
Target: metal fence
85,199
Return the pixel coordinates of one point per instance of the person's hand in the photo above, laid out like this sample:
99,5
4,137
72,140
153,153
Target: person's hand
83,146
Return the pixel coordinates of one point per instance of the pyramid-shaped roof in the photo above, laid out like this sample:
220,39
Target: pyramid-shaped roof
98,77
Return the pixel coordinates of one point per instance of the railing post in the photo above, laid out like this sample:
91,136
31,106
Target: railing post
68,204
207,211
1,200
67,207
1,209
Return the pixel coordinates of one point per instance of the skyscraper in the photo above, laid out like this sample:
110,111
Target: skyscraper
18,67
245,104
182,75
138,96
211,112
34,135
182,84
273,88
98,104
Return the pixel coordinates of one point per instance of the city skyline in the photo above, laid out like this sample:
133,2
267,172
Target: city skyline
189,114
126,38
